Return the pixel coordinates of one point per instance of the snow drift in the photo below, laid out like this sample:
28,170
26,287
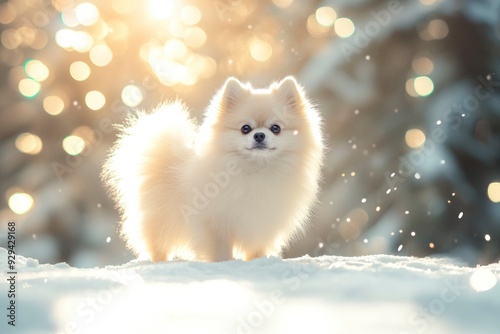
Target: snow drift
329,294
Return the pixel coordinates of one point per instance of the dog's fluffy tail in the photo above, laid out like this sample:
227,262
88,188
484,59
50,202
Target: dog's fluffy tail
141,170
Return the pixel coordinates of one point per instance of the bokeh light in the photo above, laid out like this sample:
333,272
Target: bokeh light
101,55
7,13
53,105
316,29
326,16
195,37
80,41
415,138
260,49
344,27
20,203
79,70
482,280
124,6
11,39
283,3
435,29
29,143
422,65
190,15
36,70
68,17
95,100
423,85
73,145
161,9
29,87
494,192
87,13
132,96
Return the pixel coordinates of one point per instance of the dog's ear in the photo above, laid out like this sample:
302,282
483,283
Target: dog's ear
232,93
290,93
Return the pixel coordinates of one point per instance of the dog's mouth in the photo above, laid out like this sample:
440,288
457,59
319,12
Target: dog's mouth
261,147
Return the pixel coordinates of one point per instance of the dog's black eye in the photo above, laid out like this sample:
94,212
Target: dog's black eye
275,128
246,129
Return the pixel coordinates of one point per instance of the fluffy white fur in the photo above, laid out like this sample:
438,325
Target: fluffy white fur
211,190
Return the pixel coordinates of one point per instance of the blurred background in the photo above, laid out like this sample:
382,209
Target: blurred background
410,92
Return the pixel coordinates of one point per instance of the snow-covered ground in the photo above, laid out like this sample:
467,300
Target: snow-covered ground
330,294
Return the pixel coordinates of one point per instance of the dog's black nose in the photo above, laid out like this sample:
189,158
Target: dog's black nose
259,137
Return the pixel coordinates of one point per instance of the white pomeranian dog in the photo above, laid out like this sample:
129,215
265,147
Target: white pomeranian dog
241,185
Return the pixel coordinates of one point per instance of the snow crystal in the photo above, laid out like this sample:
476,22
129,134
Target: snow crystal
460,215
487,237
108,239
400,248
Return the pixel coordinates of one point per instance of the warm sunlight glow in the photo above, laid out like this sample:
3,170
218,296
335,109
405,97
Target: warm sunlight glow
161,9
